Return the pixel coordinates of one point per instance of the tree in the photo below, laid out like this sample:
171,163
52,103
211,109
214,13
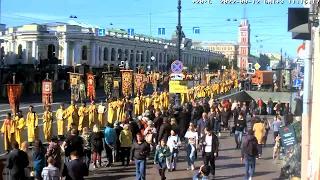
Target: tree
216,64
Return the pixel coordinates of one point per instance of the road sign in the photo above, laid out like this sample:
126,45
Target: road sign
130,32
102,32
257,66
178,86
297,83
161,31
177,76
176,66
196,30
251,71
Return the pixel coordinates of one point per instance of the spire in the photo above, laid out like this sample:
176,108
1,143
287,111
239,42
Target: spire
244,12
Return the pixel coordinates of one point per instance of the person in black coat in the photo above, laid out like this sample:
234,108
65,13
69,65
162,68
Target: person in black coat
157,124
164,131
17,161
225,115
96,139
184,122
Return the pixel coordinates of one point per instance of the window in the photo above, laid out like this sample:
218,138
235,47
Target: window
105,54
20,51
51,51
243,51
84,53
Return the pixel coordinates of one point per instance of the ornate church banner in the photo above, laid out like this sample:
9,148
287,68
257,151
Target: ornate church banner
91,92
14,94
126,82
46,92
74,85
138,83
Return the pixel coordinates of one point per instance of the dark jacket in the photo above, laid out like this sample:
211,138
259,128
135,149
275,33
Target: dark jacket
157,123
75,170
140,151
184,123
240,125
17,161
164,132
225,115
245,144
214,146
96,140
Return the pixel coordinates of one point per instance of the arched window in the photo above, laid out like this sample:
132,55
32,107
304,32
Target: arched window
131,56
20,51
160,58
126,55
138,55
51,51
100,54
120,54
105,54
142,56
113,54
148,56
84,53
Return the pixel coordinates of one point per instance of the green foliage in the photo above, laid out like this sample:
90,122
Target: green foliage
216,64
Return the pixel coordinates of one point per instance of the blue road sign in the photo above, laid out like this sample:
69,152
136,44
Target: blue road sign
102,32
130,32
196,30
161,31
297,83
176,66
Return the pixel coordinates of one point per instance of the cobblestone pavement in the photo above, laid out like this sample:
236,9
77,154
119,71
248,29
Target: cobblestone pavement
228,165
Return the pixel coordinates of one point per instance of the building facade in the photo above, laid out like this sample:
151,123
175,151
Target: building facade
229,49
80,44
244,44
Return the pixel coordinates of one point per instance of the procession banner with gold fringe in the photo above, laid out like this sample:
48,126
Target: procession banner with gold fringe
91,91
46,92
14,94
74,85
138,83
126,82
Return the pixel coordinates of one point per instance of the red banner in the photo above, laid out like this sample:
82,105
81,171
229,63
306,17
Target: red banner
91,92
46,92
138,83
14,94
126,82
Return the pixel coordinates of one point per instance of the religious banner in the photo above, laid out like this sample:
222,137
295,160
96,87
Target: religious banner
46,92
127,82
138,83
108,83
116,87
74,85
91,92
82,90
14,94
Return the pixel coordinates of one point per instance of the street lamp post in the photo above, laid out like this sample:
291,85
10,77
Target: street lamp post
179,29
289,68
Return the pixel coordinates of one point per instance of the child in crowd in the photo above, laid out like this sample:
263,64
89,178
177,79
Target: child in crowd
276,148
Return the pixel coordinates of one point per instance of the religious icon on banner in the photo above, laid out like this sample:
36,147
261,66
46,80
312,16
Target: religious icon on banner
127,82
74,85
14,94
91,92
138,83
108,82
82,89
46,92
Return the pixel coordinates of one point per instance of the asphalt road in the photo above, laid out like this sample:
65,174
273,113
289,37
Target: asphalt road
228,165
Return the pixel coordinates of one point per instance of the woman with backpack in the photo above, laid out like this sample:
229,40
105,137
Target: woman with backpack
267,126
87,145
97,145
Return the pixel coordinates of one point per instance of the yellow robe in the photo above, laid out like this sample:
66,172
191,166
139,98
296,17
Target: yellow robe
142,102
148,103
72,115
112,110
19,131
101,115
83,118
166,99
47,119
161,98
32,122
183,98
7,129
93,115
120,109
156,102
137,105
61,122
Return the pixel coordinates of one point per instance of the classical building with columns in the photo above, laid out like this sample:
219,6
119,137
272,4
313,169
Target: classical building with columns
75,43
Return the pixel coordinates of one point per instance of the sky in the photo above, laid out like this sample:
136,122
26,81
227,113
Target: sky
268,22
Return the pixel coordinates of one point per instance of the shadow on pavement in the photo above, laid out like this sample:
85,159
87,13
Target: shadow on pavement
256,174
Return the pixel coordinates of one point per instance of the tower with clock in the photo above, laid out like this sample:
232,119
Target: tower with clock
243,42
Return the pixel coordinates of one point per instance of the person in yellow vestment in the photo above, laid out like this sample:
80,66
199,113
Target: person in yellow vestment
161,99
61,121
112,111
142,102
32,122
156,101
120,108
72,114
101,112
83,117
47,119
148,102
93,114
19,128
183,98
137,105
7,131
166,99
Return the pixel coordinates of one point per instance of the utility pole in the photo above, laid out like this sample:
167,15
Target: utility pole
179,29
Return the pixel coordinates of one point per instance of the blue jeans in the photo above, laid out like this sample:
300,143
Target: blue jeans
140,169
217,126
250,165
192,158
238,137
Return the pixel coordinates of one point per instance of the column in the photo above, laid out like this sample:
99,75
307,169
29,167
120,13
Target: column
76,53
93,54
25,53
97,56
65,54
35,51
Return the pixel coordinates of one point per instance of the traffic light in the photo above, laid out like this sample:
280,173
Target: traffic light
251,71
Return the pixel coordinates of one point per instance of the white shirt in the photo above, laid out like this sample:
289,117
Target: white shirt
208,147
173,142
234,105
192,137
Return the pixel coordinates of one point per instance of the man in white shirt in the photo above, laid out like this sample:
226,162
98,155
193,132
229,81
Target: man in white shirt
173,143
234,105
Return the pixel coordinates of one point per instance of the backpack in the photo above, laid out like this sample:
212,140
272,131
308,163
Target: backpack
251,148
